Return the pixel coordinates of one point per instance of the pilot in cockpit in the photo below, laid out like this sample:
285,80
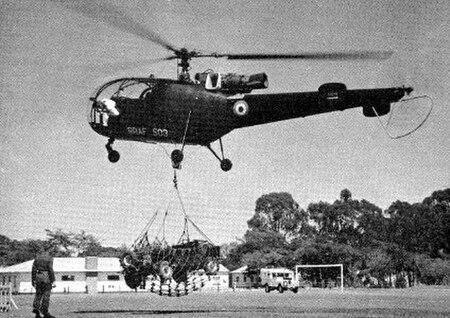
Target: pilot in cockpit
110,110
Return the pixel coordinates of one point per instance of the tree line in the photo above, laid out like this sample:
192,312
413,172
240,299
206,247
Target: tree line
59,243
405,239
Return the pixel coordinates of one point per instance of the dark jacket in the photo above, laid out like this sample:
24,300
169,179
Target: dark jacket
43,264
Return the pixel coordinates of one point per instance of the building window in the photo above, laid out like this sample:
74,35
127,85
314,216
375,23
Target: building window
245,279
68,278
237,279
113,277
91,274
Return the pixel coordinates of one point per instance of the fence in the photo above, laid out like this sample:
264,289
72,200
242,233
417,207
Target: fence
6,300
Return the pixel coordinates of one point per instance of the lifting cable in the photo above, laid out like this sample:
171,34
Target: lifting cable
144,232
183,209
186,217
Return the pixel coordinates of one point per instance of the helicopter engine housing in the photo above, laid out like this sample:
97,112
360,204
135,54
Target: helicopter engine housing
232,82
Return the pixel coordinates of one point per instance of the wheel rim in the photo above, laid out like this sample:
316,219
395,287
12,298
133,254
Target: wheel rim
177,156
226,165
113,156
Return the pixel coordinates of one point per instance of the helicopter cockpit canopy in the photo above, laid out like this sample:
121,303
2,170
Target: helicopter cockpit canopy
125,87
105,100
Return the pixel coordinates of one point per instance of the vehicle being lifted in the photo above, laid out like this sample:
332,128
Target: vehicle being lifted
171,269
164,262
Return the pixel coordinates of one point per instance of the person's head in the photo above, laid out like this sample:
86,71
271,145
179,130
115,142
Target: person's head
43,253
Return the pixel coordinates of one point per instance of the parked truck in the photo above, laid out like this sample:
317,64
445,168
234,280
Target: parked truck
280,279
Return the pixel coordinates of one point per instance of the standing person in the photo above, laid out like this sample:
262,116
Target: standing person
42,278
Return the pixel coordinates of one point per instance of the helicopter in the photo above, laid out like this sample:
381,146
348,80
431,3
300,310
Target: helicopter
203,109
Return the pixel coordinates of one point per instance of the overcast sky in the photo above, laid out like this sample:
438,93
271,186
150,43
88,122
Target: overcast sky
54,171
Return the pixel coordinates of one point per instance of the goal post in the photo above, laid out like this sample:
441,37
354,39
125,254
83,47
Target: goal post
339,266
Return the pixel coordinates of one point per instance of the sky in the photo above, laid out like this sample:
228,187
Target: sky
54,171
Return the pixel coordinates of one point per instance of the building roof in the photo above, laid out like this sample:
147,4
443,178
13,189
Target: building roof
69,264
240,270
223,269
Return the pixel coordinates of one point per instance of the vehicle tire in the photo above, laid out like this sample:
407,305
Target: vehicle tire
165,271
295,290
127,260
211,267
280,289
132,279
267,288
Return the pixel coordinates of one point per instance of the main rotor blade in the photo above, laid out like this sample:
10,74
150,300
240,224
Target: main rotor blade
115,17
350,55
108,67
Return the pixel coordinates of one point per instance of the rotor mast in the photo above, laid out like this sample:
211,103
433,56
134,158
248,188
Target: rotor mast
184,58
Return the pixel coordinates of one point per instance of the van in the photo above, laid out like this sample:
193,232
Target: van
280,279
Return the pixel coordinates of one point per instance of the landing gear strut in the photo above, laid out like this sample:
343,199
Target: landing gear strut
113,155
225,164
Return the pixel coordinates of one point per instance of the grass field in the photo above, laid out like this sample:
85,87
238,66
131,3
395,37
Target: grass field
413,302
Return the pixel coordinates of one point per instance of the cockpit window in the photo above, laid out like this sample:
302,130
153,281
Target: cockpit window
130,88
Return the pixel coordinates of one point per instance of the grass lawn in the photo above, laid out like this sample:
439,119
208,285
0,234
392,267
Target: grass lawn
412,302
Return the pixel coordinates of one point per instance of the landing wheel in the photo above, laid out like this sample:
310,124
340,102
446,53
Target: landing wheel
177,157
132,279
280,289
226,164
113,156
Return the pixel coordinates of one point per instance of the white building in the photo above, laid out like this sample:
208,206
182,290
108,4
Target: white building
88,275
220,281
73,275
242,278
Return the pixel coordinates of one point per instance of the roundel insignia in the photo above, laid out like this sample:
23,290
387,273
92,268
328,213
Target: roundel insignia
240,108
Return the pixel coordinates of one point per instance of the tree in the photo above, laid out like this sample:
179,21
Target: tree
86,244
439,203
278,212
416,228
5,249
13,251
438,197
372,225
260,259
346,195
335,221
258,249
66,244
62,243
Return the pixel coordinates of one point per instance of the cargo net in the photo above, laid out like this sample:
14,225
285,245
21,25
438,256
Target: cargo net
406,116
170,270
